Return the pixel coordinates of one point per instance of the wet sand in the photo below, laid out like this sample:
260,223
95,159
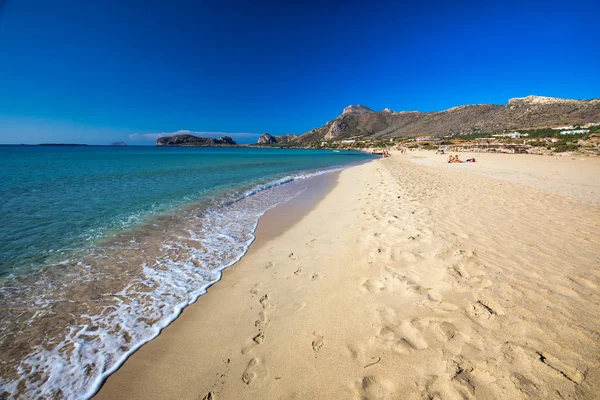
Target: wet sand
409,279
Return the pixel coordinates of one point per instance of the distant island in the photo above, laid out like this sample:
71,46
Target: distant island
191,140
118,144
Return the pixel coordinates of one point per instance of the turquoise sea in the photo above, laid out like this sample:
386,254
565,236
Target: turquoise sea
101,247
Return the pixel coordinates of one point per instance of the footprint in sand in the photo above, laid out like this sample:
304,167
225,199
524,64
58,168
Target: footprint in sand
411,335
269,265
255,289
298,271
434,296
265,301
371,387
293,256
256,340
210,396
262,320
459,271
443,388
448,330
317,343
354,352
314,277
485,309
373,286
254,371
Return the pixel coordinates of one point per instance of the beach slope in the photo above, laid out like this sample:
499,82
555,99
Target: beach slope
410,279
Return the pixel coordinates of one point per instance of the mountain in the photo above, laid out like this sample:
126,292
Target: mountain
265,138
191,140
118,144
520,113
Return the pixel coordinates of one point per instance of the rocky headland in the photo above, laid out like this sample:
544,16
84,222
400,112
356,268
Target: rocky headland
191,140
268,139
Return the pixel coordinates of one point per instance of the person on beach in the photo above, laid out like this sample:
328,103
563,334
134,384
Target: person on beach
453,159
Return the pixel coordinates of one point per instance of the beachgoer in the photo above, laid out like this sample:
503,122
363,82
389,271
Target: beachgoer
454,159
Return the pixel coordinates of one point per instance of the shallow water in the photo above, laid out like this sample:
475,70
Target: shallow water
100,248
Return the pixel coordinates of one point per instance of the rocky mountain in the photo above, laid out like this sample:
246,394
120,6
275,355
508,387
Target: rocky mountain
520,113
118,144
265,138
191,140
357,110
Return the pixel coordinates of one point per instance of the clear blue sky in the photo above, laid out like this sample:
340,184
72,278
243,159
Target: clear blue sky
100,71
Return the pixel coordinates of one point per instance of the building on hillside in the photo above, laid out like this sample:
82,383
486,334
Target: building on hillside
574,132
512,135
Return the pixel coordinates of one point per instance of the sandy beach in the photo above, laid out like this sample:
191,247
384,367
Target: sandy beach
410,278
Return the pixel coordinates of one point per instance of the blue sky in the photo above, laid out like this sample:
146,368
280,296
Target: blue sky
101,71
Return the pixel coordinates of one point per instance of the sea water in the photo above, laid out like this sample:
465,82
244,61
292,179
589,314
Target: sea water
102,247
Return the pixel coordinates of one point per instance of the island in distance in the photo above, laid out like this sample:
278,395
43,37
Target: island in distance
191,140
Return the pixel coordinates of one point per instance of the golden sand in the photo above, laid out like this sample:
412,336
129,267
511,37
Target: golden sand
411,279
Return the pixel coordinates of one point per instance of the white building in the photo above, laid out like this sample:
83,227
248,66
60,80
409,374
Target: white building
574,132
512,135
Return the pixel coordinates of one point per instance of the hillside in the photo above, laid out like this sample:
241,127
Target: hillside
518,113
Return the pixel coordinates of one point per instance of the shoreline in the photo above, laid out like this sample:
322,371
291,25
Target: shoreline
275,220
132,285
392,286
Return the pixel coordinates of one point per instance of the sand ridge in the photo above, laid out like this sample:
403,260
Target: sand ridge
405,282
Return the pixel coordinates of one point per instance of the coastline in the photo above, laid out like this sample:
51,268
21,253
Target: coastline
392,285
277,219
275,222
134,282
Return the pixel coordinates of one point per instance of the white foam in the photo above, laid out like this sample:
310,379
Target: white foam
91,351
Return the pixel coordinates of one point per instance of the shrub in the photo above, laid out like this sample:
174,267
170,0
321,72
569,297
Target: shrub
562,147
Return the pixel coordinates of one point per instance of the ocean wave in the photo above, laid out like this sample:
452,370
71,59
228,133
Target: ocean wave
166,269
